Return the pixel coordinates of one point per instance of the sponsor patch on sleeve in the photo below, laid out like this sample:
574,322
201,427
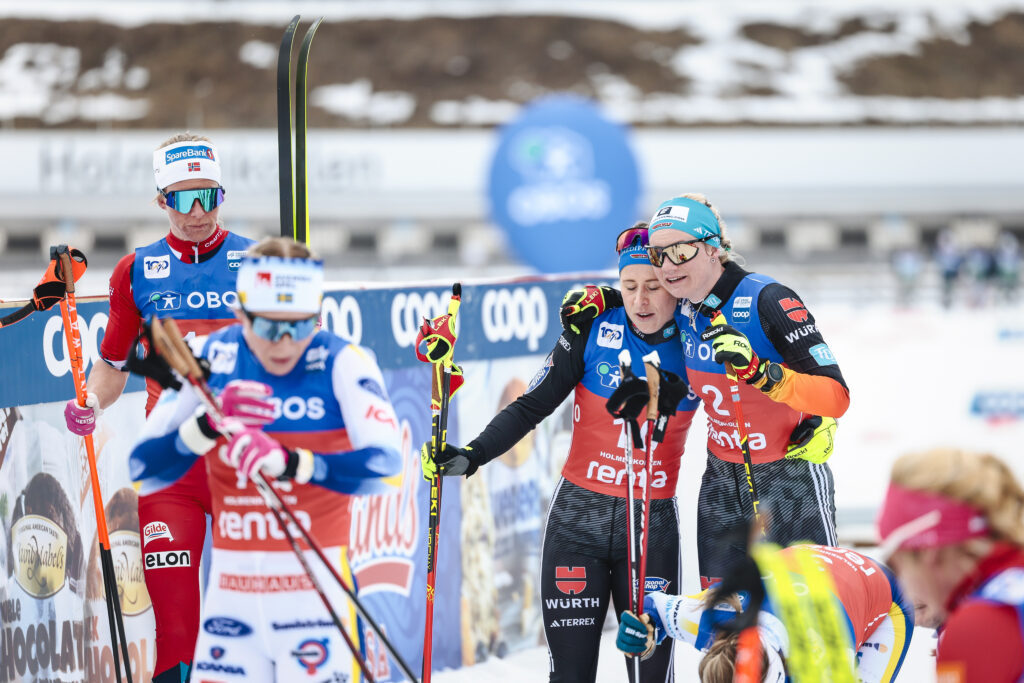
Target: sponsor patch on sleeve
822,354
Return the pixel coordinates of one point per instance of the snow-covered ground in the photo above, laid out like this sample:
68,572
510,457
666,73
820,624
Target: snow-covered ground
805,81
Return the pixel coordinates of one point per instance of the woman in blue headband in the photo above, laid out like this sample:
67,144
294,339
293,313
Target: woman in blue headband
584,558
790,387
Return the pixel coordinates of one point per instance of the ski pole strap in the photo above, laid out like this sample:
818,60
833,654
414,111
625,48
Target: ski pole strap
52,287
437,336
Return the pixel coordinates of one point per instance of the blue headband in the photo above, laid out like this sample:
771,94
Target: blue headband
690,216
633,256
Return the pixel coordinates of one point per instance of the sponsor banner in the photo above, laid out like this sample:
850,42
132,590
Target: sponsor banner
495,321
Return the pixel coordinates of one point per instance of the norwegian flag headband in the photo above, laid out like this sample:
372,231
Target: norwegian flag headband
188,160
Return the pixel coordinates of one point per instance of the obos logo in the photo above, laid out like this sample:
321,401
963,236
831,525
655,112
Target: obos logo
53,343
609,374
166,301
519,313
408,309
343,317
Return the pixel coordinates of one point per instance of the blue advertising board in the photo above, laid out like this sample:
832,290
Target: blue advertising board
563,183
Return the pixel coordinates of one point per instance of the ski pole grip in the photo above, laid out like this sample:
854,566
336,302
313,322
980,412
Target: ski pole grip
652,362
62,253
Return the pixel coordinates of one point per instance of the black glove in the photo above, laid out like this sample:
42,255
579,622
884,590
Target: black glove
580,306
452,461
627,402
151,364
671,390
630,399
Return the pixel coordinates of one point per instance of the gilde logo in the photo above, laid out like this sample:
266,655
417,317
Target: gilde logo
520,313
53,336
408,309
155,530
343,318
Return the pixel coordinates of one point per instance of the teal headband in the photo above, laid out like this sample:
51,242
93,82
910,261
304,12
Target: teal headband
692,217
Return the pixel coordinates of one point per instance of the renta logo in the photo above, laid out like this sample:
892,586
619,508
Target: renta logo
385,530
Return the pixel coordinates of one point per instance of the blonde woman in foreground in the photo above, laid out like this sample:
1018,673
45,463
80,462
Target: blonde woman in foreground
952,525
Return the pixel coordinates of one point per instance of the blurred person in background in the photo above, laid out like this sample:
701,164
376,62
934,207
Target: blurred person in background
791,388
907,263
1007,257
584,552
980,266
952,527
948,258
188,275
879,619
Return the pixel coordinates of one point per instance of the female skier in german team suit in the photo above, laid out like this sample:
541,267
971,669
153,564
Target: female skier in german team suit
791,389
584,555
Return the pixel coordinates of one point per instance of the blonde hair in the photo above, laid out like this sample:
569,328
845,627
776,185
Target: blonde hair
285,247
978,479
184,137
724,252
719,663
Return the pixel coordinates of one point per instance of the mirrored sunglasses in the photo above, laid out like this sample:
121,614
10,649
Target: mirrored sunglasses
629,237
183,200
275,330
678,253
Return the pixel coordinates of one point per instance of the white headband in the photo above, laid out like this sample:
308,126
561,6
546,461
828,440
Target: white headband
186,160
271,284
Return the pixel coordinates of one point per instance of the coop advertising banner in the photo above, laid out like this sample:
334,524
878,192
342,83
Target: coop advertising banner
53,623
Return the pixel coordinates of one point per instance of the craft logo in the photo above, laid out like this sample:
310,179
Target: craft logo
311,654
127,556
384,531
40,547
571,580
155,530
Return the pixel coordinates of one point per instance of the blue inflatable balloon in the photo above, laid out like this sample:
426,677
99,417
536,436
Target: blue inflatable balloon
563,183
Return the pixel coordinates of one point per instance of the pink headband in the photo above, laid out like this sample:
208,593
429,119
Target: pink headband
918,519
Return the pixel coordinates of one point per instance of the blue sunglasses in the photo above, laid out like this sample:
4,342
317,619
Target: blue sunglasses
275,330
183,200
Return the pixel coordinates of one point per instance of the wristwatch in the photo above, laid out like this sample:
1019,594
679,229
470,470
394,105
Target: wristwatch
772,375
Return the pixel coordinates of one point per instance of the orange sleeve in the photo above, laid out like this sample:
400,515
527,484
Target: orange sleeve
815,394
